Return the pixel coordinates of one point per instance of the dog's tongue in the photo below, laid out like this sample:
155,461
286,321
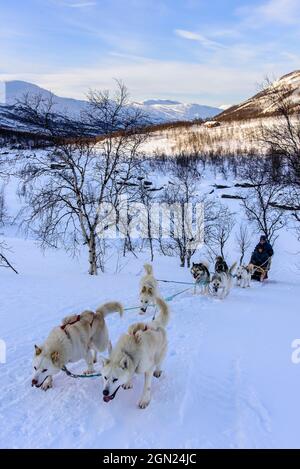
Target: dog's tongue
107,398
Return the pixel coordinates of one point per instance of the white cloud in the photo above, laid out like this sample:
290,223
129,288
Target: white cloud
273,11
76,4
10,33
82,5
226,33
203,40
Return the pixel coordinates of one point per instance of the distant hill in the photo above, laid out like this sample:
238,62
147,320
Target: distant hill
260,106
158,110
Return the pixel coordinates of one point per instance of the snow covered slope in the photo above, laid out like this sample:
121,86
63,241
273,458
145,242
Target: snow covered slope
228,379
259,105
15,90
241,126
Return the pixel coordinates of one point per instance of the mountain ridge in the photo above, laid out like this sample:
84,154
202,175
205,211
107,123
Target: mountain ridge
160,110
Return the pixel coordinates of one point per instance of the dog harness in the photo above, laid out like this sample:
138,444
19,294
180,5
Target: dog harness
78,317
201,282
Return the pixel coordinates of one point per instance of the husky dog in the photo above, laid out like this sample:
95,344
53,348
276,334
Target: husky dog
141,350
76,338
148,289
243,275
221,283
220,265
201,276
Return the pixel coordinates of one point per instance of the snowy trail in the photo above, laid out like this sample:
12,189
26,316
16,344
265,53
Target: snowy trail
228,379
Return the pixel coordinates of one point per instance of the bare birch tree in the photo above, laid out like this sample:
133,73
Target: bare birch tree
66,186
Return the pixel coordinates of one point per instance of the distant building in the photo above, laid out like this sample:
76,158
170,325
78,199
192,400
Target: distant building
211,124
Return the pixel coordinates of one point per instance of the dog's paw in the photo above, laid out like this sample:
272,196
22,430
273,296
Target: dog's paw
127,386
157,373
47,384
144,403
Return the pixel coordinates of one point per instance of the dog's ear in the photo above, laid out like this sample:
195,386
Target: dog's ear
144,289
38,350
193,264
54,357
124,363
150,291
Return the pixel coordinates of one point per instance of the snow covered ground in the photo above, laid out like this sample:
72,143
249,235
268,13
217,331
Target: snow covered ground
228,379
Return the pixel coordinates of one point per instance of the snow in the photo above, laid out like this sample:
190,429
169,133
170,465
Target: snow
228,379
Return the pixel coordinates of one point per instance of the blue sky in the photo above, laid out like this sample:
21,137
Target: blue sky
212,52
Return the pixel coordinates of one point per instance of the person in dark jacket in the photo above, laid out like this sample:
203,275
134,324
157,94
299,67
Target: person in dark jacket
263,243
261,257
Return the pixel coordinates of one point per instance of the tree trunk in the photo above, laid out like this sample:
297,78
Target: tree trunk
150,237
92,256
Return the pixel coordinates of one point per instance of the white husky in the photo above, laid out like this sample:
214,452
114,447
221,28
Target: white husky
78,337
221,282
148,289
141,350
243,275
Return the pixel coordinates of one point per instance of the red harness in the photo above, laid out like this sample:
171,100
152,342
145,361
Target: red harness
78,317
70,323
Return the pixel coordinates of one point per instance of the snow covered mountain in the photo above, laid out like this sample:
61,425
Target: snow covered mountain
159,111
167,110
261,105
16,90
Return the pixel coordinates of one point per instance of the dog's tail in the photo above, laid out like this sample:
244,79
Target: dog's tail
148,268
232,268
164,314
107,308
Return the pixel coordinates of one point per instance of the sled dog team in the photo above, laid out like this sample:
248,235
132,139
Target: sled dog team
220,282
140,350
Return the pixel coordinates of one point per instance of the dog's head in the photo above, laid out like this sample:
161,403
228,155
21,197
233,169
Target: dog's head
198,270
115,374
146,298
220,264
216,283
240,271
45,363
250,269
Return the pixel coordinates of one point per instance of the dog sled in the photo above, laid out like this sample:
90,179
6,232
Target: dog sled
260,272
